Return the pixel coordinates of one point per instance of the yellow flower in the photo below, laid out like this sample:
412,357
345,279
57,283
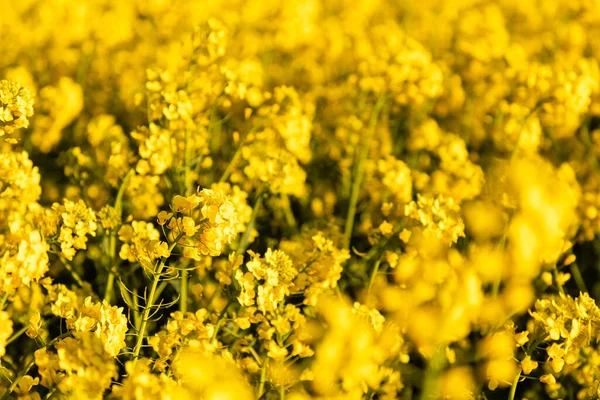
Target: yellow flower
163,217
439,216
5,331
35,325
141,383
188,226
16,106
528,365
386,229
268,278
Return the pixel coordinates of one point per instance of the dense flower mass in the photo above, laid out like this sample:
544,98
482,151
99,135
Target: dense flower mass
299,199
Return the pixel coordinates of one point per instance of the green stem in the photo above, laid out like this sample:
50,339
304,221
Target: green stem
432,374
183,293
112,252
150,302
246,238
237,154
136,314
373,274
16,335
263,379
73,273
51,393
25,370
289,215
555,273
127,298
188,157
513,387
110,283
160,288
3,300
14,383
578,278
219,320
360,170
216,293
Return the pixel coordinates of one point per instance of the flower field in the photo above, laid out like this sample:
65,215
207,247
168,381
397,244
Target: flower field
299,199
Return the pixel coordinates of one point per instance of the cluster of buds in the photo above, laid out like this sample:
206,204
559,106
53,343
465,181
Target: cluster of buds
203,223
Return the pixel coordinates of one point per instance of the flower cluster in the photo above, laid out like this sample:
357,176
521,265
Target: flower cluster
267,281
439,217
105,321
203,223
16,106
80,367
68,226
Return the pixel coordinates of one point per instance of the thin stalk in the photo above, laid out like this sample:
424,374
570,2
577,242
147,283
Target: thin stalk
578,278
3,371
217,292
110,283
263,379
112,252
237,154
559,286
127,297
51,393
183,292
373,274
219,320
136,314
246,238
360,170
73,273
432,374
289,215
281,393
160,289
14,383
25,370
150,302
3,300
513,387
16,335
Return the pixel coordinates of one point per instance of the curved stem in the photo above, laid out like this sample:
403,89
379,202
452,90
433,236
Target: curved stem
246,238
73,273
289,215
112,252
3,300
513,387
578,278
150,302
263,379
183,283
110,284
360,170
219,320
556,280
16,335
183,292
147,310
237,154
373,274
25,370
